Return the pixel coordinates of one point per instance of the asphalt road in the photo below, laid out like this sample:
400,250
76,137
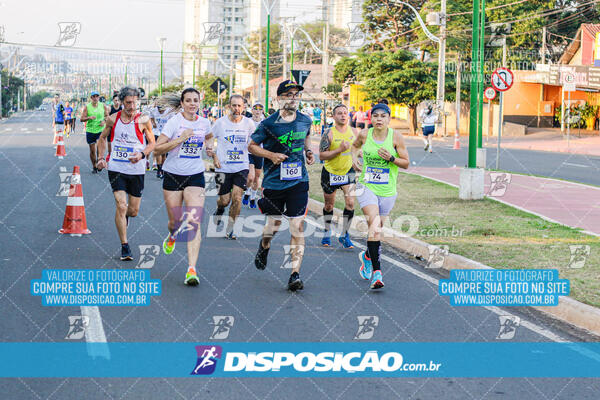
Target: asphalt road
409,309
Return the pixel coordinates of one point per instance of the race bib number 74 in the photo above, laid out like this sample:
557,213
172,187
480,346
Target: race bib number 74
378,176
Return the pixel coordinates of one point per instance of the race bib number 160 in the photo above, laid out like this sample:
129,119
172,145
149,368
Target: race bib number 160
291,171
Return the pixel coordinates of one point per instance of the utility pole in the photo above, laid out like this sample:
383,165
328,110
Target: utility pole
458,82
325,62
442,66
500,116
480,84
473,119
544,45
231,62
259,63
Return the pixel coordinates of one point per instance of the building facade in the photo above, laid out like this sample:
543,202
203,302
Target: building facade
216,30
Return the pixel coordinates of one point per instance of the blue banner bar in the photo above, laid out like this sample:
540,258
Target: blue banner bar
222,359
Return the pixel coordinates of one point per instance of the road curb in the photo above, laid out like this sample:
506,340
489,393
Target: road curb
571,311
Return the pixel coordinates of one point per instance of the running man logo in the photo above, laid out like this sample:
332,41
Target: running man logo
212,189
366,326
437,256
188,220
77,326
148,254
508,326
356,37
222,324
68,33
213,31
207,359
499,183
579,255
65,183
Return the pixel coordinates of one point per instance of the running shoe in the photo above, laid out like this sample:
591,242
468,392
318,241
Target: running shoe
326,241
231,236
377,280
252,203
260,260
366,268
155,167
147,166
95,170
245,199
295,283
426,147
126,253
169,244
191,279
346,242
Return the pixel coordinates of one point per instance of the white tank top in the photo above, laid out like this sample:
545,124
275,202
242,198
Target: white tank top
126,139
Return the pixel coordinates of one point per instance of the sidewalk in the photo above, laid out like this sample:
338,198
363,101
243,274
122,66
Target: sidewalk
570,204
538,139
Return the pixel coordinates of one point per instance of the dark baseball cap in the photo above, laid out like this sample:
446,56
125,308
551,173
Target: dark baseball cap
287,85
381,106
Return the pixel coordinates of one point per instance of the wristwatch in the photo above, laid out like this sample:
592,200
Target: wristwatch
392,158
143,155
307,151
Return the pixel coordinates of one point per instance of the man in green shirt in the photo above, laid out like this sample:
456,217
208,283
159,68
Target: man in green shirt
94,113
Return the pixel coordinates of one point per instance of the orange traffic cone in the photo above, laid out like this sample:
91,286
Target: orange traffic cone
74,222
456,141
60,147
57,130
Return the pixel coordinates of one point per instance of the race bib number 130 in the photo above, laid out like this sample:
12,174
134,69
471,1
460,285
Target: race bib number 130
291,171
121,153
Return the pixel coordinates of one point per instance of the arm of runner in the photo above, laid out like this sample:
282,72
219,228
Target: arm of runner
101,144
258,151
84,115
325,144
210,143
402,160
310,156
355,150
147,129
165,147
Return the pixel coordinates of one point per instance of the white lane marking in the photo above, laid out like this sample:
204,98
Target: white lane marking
39,129
94,333
63,169
529,325
576,165
23,129
6,129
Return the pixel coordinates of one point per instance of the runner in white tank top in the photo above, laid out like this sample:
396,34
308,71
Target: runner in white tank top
183,138
232,133
132,142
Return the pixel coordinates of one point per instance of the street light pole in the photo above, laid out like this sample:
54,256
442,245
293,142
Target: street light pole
441,88
473,106
161,42
480,78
